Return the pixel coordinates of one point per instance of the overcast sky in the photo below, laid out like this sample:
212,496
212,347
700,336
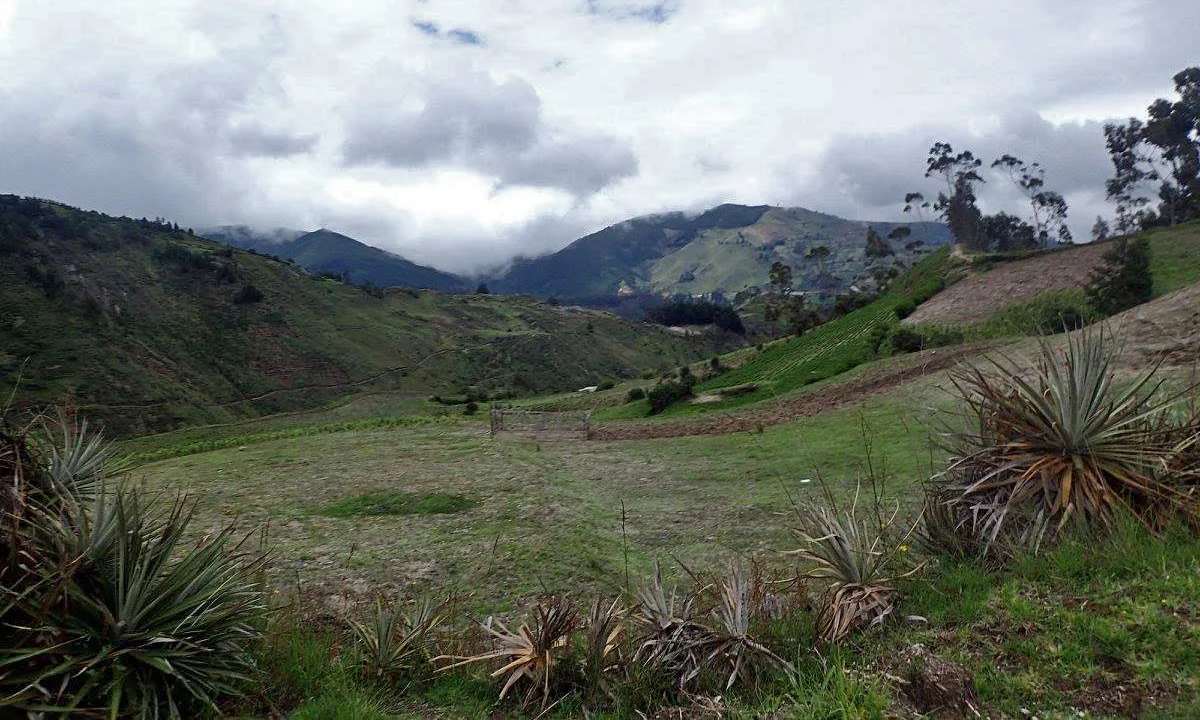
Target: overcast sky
461,132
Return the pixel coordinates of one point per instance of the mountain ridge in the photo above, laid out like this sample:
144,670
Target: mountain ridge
726,249
327,251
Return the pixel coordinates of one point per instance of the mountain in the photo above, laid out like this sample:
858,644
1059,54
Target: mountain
324,251
729,248
144,327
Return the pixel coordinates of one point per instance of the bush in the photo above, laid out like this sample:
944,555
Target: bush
667,393
471,408
904,308
635,394
914,338
248,294
606,384
1124,280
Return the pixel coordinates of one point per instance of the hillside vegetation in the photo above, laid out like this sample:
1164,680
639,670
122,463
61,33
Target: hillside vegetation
993,282
147,327
729,248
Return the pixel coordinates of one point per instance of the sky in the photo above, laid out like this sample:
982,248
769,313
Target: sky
461,133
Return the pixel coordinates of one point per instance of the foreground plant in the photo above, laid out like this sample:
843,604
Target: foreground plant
1067,446
394,641
858,554
731,645
120,615
530,654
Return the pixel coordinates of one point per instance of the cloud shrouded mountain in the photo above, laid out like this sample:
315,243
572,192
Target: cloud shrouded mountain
728,248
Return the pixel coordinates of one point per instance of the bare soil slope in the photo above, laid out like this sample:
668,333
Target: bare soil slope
979,295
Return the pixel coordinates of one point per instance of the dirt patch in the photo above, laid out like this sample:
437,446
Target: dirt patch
980,295
873,382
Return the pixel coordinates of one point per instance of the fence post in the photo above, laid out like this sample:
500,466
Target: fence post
493,416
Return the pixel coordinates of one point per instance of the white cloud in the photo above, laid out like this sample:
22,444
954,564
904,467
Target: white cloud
566,115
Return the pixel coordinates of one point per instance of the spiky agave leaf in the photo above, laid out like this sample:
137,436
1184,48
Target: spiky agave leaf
134,619
858,554
668,636
605,627
729,646
1065,446
530,653
394,641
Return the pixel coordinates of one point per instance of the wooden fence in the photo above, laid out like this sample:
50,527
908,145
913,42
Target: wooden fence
540,422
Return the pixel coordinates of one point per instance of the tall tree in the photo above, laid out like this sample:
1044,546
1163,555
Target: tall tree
955,205
1047,208
1164,149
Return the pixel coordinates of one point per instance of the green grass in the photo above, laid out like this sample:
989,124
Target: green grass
548,514
397,503
823,352
1094,624
1174,257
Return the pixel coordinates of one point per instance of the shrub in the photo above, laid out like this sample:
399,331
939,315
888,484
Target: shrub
914,338
635,394
1123,281
1066,447
905,338
904,308
665,394
471,408
606,384
248,294
123,610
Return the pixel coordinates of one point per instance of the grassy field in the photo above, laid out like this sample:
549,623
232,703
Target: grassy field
543,515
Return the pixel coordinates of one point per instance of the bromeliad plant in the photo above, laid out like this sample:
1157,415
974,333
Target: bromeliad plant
1067,445
531,653
860,555
106,608
393,641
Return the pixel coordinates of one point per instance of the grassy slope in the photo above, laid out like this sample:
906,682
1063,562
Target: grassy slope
828,350
1174,257
1106,627
120,313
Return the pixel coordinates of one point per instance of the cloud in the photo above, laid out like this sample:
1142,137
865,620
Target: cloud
461,36
870,173
471,121
256,141
656,12
461,133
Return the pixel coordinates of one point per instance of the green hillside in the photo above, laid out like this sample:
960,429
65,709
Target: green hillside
146,327
324,251
728,249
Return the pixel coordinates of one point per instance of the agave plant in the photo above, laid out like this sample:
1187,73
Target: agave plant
530,654
668,636
121,615
393,641
602,649
857,554
1068,445
732,645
